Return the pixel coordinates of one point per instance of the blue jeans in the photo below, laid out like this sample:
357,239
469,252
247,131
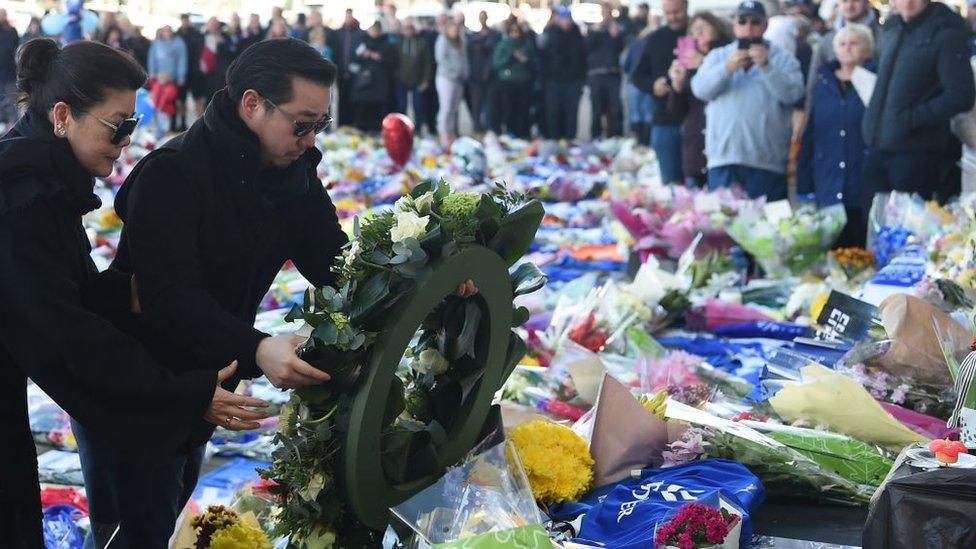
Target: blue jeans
416,99
143,492
755,181
640,105
666,142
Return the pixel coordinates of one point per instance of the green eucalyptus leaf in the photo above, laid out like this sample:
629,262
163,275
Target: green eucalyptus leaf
327,333
356,229
464,343
296,313
421,189
315,394
378,257
527,278
373,293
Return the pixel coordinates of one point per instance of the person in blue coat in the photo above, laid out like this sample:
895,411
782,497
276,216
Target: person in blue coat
833,152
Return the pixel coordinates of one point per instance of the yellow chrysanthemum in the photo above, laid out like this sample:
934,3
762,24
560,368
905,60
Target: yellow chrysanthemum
109,219
240,536
556,460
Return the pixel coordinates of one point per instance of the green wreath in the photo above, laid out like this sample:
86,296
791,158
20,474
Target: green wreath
403,404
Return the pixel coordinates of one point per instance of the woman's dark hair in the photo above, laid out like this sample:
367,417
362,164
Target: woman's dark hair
722,31
78,74
268,67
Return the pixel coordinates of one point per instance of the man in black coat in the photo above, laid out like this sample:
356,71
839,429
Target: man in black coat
479,88
651,77
195,83
212,216
924,78
564,70
9,41
603,46
345,41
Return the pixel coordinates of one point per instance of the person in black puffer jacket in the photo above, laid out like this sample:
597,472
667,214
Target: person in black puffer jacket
564,68
924,79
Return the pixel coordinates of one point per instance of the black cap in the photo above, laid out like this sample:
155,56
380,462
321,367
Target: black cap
751,7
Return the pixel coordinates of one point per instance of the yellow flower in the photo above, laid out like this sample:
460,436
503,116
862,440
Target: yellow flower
966,278
556,460
109,219
240,536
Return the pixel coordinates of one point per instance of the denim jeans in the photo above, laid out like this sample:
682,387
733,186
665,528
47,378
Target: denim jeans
755,181
414,97
666,142
562,109
143,492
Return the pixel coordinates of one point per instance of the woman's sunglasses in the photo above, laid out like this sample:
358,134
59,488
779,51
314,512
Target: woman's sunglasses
123,129
304,128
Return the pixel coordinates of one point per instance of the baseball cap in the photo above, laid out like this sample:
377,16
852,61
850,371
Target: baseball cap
564,13
751,7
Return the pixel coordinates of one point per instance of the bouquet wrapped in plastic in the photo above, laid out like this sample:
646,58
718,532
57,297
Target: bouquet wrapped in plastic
785,242
485,499
899,218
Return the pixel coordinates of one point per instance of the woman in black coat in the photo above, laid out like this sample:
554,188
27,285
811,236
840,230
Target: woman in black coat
54,304
374,66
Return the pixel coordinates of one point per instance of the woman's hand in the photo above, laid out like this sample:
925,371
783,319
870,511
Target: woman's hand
467,289
678,75
693,60
226,408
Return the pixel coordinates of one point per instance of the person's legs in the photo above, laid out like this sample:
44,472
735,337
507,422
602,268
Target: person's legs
598,100
918,172
417,100
759,183
456,92
551,107
875,178
444,90
573,94
720,177
522,123
855,231
666,141
614,106
345,103
98,466
402,93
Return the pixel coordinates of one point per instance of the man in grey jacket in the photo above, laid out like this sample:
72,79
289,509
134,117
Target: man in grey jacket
750,87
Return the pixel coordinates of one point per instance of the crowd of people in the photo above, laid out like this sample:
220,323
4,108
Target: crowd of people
744,101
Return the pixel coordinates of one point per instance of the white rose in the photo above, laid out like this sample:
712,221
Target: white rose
315,486
425,204
408,224
430,361
404,204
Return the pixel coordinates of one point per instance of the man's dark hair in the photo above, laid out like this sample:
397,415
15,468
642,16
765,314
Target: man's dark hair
79,74
268,67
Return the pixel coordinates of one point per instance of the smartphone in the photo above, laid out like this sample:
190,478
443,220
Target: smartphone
746,43
686,46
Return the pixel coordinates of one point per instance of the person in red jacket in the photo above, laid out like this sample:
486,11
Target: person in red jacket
164,94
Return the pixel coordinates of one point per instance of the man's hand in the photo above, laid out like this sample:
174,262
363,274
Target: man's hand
277,359
135,307
226,408
467,289
737,60
678,74
661,87
759,54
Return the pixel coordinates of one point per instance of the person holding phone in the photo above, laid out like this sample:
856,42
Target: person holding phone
705,33
750,87
651,76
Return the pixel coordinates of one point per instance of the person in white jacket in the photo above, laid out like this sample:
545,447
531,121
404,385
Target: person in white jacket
450,52
751,88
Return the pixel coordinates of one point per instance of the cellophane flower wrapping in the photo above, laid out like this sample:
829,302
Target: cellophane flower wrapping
487,493
791,245
899,218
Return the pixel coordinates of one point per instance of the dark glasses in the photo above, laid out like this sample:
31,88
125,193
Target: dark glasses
123,129
749,21
304,128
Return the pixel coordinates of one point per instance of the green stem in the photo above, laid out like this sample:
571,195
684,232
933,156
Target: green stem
327,416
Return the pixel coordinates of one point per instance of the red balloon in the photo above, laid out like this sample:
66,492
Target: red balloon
398,137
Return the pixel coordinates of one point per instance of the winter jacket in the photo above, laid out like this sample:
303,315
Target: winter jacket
206,232
603,52
416,64
169,56
510,69
481,47
55,329
372,80
832,152
452,62
193,39
563,55
749,112
653,64
923,80
345,42
824,51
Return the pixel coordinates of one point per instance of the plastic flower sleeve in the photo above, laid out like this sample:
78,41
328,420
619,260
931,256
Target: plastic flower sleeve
487,494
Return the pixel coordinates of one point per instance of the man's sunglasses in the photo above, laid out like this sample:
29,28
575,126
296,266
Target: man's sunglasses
123,129
304,128
749,21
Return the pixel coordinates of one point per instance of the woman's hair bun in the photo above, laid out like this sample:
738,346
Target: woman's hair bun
34,62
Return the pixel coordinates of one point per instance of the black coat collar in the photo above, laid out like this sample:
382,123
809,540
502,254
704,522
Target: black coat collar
35,163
